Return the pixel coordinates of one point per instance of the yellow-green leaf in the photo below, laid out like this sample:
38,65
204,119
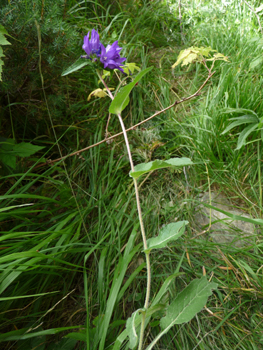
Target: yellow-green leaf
194,54
99,93
219,56
129,68
190,58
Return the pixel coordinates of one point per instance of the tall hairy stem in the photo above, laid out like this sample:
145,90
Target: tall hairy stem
147,254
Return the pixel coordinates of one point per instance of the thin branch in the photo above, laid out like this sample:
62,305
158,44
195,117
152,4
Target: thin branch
180,21
77,153
251,8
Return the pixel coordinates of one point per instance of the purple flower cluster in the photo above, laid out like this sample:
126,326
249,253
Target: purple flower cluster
109,56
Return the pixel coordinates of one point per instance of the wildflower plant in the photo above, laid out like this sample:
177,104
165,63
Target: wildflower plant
96,51
193,298
92,46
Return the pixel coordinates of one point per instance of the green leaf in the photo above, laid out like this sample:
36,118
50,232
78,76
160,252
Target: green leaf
188,302
25,149
9,151
143,168
118,277
244,134
131,329
244,119
105,74
81,62
121,338
185,306
8,160
2,30
169,233
259,9
26,296
6,144
133,322
193,54
13,207
239,110
129,280
165,286
6,156
183,55
1,55
122,99
3,41
256,62
129,68
218,57
233,216
81,336
22,334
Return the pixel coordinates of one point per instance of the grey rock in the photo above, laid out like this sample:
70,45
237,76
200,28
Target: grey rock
223,229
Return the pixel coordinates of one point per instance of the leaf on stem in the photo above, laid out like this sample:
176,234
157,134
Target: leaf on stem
76,66
143,168
131,326
99,93
188,303
9,151
170,232
122,99
197,54
129,68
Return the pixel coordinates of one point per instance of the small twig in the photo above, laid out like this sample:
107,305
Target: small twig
108,122
49,162
251,8
180,21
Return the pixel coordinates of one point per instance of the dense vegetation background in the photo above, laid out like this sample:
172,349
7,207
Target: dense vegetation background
65,225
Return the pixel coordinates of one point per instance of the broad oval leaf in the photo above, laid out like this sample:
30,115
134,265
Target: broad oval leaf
81,62
186,305
121,100
25,149
170,232
143,168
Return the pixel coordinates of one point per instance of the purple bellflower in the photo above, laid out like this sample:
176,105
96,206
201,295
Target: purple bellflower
92,46
109,56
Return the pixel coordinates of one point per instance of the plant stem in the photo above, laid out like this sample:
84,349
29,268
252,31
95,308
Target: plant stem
131,128
147,254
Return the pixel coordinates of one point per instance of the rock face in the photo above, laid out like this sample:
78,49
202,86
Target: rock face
224,229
